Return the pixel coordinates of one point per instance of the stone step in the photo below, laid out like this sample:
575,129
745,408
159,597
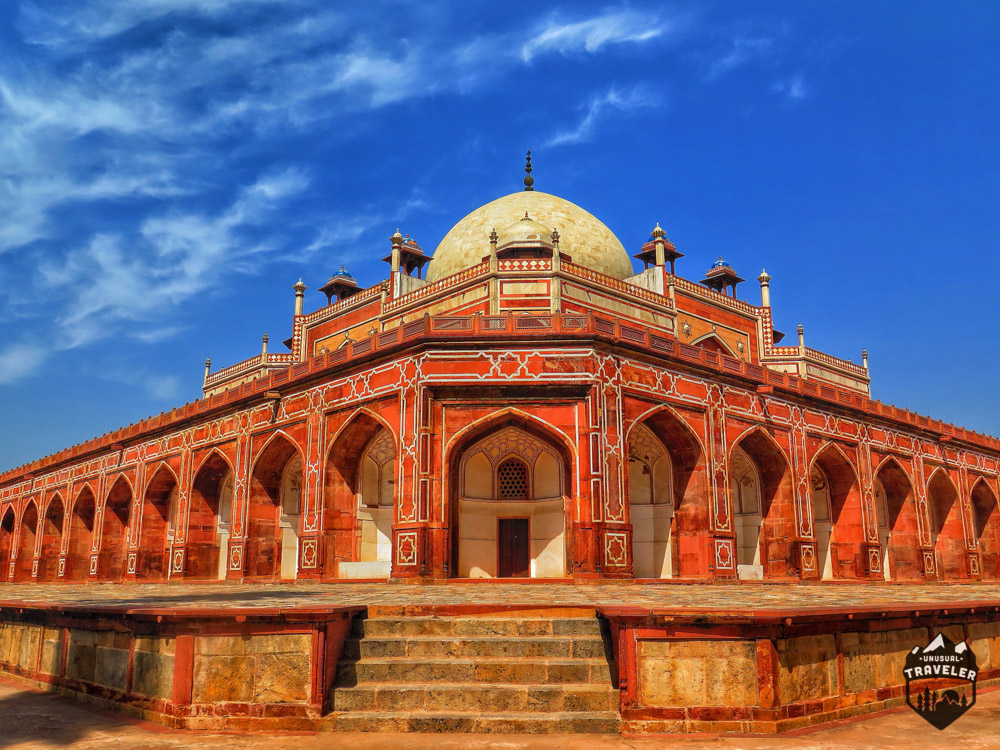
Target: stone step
583,647
474,626
477,697
592,722
504,670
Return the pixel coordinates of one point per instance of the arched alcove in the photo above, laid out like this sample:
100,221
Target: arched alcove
52,530
117,511
900,536
210,519
81,531
947,534
159,525
651,504
508,504
273,511
763,507
26,542
838,518
6,541
987,522
359,493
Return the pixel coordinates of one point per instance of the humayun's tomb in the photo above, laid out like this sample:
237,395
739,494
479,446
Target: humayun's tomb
630,503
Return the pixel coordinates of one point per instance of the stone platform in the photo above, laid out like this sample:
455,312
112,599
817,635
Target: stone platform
488,657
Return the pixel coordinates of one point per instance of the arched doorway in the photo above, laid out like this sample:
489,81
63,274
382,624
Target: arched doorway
669,532
210,519
508,506
359,499
26,544
114,528
987,520
81,531
52,530
899,532
159,524
274,511
763,509
651,504
838,519
947,534
6,541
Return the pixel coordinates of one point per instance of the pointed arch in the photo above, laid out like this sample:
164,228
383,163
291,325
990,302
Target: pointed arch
6,539
209,517
474,541
273,517
358,529
776,519
986,521
114,528
839,527
947,532
713,342
901,532
158,524
81,533
26,542
670,535
52,533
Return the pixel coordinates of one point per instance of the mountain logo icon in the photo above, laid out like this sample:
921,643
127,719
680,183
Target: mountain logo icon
941,680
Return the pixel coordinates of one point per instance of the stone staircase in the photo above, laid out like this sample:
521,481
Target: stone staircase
477,673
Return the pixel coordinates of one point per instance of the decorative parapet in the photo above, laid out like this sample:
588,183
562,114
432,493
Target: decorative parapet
331,311
526,328
542,265
247,367
437,287
713,296
629,290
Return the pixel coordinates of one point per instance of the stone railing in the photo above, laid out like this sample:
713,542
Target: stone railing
436,287
842,364
247,366
330,311
612,283
713,296
537,329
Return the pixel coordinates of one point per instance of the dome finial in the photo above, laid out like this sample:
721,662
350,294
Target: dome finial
529,180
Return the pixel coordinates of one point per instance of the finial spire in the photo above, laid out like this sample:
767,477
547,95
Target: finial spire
529,180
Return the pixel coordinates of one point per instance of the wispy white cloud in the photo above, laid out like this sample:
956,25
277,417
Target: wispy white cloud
20,360
116,282
793,88
599,107
740,51
592,34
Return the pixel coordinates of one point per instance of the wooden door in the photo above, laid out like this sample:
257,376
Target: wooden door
513,550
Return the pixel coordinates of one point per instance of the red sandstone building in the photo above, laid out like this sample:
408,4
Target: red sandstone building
533,407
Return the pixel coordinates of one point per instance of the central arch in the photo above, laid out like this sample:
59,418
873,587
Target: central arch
509,482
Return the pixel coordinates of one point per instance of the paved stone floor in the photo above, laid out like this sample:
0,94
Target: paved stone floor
725,597
32,720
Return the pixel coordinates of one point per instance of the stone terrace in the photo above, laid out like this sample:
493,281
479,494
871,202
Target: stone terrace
734,599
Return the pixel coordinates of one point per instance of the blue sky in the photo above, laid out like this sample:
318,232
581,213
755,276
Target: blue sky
169,168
